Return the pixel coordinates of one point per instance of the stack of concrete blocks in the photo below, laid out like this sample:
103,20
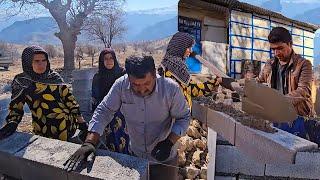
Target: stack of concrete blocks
26,156
252,154
4,107
81,87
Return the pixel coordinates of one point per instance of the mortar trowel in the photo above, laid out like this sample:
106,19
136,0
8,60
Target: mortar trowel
226,80
267,103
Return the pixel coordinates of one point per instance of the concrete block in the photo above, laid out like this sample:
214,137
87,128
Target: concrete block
3,115
222,141
4,101
85,105
292,171
30,170
311,158
224,178
16,142
307,166
44,158
51,154
199,111
114,166
223,124
4,105
212,144
83,85
271,148
87,73
10,164
229,160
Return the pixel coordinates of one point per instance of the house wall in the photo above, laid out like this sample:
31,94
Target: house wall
249,38
214,25
246,35
214,36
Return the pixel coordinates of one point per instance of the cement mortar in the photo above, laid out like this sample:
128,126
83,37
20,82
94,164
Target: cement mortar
237,114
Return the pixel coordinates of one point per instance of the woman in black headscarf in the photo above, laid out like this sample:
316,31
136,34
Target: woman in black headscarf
55,112
174,66
109,70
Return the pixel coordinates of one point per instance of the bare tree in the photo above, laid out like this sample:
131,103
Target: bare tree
120,47
107,27
4,46
135,46
123,47
91,51
7,49
146,47
70,16
79,54
51,50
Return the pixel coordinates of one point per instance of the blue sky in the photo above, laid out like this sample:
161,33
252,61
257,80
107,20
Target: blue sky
132,5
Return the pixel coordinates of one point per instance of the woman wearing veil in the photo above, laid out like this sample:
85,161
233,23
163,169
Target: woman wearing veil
55,111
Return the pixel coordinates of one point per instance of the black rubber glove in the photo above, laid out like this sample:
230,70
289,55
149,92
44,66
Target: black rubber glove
162,150
226,83
81,156
83,127
8,130
312,127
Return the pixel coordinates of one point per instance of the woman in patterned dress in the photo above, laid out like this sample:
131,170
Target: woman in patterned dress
109,70
173,66
55,112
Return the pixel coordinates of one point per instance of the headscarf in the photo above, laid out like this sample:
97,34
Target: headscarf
24,80
105,78
174,60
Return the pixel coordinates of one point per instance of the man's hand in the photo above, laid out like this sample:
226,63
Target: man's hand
80,157
239,89
8,130
162,150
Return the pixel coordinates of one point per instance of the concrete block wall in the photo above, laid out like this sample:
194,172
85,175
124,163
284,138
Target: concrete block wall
253,154
212,147
81,86
274,148
307,166
256,143
233,164
26,156
223,124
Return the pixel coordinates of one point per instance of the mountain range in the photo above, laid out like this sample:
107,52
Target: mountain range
151,24
41,30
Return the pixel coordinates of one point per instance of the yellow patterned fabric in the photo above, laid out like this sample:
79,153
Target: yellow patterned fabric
195,89
53,107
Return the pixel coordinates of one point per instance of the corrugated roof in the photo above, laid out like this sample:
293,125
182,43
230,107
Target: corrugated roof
237,5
